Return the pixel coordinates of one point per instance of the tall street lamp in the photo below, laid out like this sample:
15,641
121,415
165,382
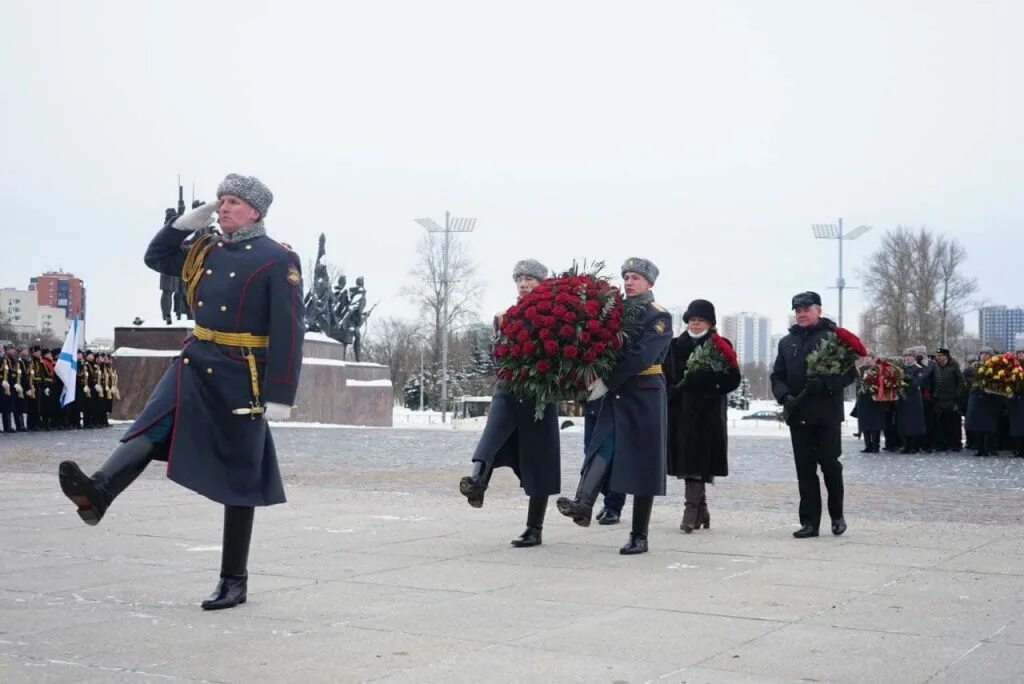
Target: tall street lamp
834,231
452,224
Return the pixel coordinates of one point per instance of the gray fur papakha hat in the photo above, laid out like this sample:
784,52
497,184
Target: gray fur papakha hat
530,267
249,188
644,267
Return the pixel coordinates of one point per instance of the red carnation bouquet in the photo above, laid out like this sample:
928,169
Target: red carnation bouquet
560,338
716,357
837,353
883,381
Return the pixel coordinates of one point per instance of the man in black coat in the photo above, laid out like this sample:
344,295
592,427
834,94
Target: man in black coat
815,412
945,384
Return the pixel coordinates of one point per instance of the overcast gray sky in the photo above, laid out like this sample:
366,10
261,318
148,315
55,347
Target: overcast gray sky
704,135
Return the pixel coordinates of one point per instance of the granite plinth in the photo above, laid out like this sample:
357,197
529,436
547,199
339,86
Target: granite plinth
331,390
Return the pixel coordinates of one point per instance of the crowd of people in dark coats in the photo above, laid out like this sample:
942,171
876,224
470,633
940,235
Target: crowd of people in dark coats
30,391
941,409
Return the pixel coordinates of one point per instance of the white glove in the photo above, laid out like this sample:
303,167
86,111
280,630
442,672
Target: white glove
597,390
6,385
197,218
46,391
97,387
17,387
277,412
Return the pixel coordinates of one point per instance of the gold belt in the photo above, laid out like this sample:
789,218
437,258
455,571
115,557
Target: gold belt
247,342
231,339
651,370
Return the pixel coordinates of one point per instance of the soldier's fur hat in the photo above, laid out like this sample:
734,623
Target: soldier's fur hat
249,188
530,267
644,267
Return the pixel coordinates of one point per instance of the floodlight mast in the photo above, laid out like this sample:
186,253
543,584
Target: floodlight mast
452,224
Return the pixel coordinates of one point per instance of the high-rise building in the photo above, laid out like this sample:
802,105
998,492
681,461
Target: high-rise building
998,326
751,335
62,291
18,310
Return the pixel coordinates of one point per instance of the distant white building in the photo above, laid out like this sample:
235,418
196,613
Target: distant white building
1018,341
19,310
751,335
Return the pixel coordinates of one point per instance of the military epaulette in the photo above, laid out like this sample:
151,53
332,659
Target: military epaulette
658,307
285,245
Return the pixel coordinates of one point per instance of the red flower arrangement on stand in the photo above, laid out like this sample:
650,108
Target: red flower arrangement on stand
560,338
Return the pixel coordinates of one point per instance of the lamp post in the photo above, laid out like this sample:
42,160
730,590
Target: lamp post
834,231
452,224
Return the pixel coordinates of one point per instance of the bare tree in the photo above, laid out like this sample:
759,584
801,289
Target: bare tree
427,288
917,289
395,343
955,289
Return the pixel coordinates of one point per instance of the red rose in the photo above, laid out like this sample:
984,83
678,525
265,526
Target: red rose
542,366
550,347
512,312
544,306
584,336
528,347
612,324
603,334
522,336
616,343
566,331
559,310
501,351
589,356
569,351
550,321
516,351
531,312
544,333
593,325
507,330
568,317
591,308
599,348
504,373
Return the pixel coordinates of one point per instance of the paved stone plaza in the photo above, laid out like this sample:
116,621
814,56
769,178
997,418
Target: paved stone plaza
377,570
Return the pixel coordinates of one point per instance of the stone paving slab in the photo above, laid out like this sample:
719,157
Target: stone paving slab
377,574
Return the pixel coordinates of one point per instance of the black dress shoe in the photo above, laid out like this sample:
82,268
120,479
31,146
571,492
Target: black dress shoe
637,544
806,531
85,492
608,517
531,537
838,526
577,510
230,592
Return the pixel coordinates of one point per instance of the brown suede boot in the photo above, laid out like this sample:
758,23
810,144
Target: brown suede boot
690,508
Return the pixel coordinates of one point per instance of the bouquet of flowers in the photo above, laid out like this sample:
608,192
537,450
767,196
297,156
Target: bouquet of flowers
1002,374
560,338
883,381
716,357
836,354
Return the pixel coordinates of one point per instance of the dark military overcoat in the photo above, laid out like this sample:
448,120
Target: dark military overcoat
635,408
910,420
529,447
983,411
250,286
1016,411
872,415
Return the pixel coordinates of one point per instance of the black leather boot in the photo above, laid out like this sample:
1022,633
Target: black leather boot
581,509
8,421
19,422
637,543
473,486
534,523
691,506
93,495
806,531
232,590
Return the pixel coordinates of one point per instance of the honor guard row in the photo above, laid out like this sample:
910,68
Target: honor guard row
30,391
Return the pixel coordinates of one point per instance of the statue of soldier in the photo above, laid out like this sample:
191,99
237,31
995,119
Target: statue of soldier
319,313
352,323
171,299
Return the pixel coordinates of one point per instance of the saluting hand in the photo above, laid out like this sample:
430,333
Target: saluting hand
197,218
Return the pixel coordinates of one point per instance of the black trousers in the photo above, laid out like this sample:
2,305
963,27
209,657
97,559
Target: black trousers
818,446
948,420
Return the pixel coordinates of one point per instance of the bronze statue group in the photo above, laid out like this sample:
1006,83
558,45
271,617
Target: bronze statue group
30,391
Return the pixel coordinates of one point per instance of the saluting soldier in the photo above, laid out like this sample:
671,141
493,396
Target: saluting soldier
513,438
49,392
32,391
208,415
626,424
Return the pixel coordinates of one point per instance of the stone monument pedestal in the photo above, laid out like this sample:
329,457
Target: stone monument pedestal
331,390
